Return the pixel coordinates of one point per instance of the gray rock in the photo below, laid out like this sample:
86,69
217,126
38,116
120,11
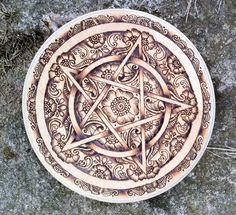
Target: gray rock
25,185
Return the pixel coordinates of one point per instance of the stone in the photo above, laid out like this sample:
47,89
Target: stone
27,187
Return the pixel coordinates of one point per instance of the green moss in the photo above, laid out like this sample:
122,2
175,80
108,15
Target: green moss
15,45
191,207
16,51
161,201
8,153
9,14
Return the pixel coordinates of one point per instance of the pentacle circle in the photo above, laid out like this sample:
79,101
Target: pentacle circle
118,105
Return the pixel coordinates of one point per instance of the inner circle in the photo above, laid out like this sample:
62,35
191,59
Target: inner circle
122,152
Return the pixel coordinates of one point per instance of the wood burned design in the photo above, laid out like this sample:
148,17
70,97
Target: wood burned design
118,106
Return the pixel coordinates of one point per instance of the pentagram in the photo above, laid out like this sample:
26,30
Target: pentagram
118,106
99,112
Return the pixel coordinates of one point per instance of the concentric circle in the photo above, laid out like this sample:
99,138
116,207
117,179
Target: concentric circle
118,105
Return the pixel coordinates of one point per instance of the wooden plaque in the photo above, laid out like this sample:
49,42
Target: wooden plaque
118,105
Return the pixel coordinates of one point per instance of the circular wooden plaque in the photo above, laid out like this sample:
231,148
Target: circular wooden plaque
118,105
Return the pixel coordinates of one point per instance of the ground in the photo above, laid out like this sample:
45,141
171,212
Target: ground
25,185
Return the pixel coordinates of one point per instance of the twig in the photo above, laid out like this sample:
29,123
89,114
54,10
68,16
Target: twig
221,149
219,3
188,10
225,158
227,151
189,7
195,6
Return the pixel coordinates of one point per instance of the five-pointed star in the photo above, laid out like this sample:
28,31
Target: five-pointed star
96,109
